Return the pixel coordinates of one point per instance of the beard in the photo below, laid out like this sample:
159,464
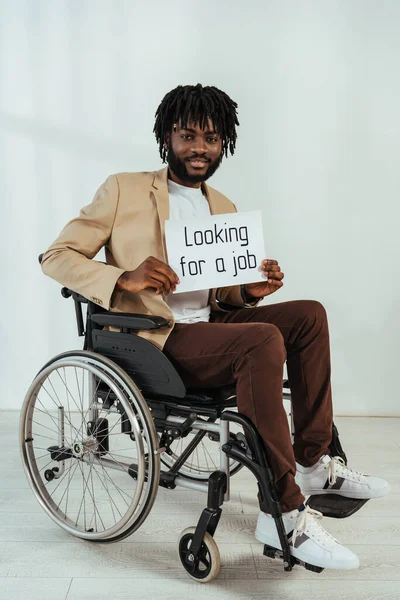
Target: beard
178,167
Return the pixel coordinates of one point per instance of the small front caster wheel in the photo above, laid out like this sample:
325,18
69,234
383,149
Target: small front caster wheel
208,562
49,474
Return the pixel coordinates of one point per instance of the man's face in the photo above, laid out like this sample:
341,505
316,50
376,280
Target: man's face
194,154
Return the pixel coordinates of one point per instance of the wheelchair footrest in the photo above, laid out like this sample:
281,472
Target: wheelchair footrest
57,453
335,506
271,552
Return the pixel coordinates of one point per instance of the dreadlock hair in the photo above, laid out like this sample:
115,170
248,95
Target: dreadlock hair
200,103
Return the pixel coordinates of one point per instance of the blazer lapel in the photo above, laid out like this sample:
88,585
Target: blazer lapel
160,191
215,206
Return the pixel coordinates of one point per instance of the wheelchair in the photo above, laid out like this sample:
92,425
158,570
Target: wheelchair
104,427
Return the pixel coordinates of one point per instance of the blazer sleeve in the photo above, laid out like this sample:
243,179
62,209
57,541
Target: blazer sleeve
233,294
69,258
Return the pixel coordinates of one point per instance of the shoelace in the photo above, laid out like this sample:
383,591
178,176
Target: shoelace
308,520
337,466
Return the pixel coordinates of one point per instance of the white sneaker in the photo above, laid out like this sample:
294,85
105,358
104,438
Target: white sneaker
310,543
332,476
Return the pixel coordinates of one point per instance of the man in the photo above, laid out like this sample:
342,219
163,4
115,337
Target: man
195,127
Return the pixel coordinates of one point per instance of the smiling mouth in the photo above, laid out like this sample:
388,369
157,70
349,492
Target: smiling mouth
198,163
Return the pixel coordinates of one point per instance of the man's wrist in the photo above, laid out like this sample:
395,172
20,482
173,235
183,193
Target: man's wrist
118,289
247,298
120,283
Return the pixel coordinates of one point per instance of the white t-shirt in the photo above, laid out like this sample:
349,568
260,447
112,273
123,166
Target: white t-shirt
188,203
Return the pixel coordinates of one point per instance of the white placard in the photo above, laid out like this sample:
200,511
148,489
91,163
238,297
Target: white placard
216,251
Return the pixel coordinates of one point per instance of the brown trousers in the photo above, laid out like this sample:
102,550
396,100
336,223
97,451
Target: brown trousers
249,347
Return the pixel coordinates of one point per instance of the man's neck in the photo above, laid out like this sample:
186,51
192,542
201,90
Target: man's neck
173,177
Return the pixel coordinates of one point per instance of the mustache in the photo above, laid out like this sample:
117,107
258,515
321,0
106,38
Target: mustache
198,158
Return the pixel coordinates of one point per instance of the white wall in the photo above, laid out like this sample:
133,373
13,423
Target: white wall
317,83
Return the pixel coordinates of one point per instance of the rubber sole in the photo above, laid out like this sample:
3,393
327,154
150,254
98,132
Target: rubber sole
304,561
335,506
341,494
271,552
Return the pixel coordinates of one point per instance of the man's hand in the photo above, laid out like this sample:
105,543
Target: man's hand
152,273
264,288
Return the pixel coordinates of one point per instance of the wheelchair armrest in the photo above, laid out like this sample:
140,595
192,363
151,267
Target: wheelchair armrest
130,320
125,320
226,306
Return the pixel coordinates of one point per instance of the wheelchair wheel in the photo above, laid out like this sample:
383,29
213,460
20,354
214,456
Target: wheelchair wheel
205,458
207,566
89,447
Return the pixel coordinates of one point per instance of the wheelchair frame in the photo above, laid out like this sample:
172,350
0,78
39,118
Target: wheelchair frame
176,412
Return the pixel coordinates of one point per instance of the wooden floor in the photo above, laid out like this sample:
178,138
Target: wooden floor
39,561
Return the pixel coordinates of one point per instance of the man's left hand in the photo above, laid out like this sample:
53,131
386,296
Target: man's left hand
271,270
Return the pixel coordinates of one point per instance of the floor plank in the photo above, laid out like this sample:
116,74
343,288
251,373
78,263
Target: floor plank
26,588
239,590
85,559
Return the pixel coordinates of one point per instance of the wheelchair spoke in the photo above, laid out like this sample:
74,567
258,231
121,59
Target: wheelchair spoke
116,433
79,389
66,491
46,412
45,437
197,454
104,483
45,427
47,464
83,501
55,403
43,455
83,421
42,448
107,476
181,448
91,403
211,458
41,425
94,504
68,393
62,478
105,486
205,456
114,426
123,450
69,408
118,463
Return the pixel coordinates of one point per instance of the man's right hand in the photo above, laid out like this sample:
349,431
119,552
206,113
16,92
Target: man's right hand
152,273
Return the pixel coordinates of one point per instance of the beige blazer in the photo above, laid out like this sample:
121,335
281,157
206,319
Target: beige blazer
127,216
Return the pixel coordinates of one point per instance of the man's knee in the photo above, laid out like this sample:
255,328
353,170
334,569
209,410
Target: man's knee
265,335
312,310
